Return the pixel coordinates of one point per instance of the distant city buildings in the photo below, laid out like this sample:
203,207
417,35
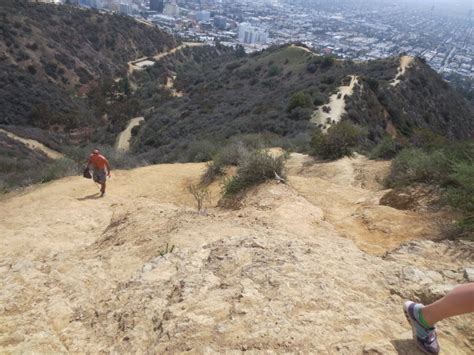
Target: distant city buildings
359,30
95,4
203,16
171,9
220,22
157,5
249,34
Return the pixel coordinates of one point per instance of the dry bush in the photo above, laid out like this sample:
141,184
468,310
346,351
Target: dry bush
200,194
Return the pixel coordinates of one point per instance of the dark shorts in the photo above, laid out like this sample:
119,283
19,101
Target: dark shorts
99,176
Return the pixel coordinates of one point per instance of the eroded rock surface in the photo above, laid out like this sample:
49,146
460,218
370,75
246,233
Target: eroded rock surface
279,275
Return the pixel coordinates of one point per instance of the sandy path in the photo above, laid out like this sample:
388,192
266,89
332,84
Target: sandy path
336,104
405,62
69,213
348,191
35,145
303,48
123,139
174,50
132,64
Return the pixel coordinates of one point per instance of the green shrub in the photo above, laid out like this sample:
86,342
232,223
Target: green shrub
318,100
299,99
274,70
59,169
461,194
386,149
213,170
328,62
254,168
339,141
450,166
200,151
416,165
427,139
231,154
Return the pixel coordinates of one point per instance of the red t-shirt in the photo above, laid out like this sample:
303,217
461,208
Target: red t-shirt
98,162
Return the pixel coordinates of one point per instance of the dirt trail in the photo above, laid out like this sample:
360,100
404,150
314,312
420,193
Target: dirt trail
132,65
302,48
405,62
181,46
35,145
123,139
81,273
349,191
336,106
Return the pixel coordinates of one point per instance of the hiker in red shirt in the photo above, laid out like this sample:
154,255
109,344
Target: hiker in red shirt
100,169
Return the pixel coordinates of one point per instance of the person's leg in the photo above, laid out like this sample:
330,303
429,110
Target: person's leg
102,188
459,301
423,318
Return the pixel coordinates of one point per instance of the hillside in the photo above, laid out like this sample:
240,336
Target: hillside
50,54
62,71
284,91
290,271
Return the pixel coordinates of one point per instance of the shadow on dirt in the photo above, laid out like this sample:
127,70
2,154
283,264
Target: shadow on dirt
90,197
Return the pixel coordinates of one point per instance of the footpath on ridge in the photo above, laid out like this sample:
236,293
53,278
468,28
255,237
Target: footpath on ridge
314,266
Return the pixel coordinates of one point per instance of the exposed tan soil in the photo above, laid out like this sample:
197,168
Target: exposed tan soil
405,62
123,139
35,145
314,266
336,106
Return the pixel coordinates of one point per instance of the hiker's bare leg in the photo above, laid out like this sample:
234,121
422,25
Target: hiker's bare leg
459,301
102,188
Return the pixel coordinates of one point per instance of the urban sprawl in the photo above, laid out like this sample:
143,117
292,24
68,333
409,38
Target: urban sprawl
356,29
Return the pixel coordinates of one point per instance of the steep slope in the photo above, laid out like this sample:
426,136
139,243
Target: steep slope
52,53
34,145
420,99
60,69
84,274
281,89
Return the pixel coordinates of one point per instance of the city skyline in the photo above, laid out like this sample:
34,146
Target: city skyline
437,30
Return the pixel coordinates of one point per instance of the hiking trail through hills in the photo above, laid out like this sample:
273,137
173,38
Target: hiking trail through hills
315,266
132,65
405,62
327,115
34,145
122,143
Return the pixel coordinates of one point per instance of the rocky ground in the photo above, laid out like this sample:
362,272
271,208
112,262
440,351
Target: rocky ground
314,266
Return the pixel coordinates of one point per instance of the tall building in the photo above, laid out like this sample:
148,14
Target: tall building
220,22
171,9
96,4
203,16
249,34
157,5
